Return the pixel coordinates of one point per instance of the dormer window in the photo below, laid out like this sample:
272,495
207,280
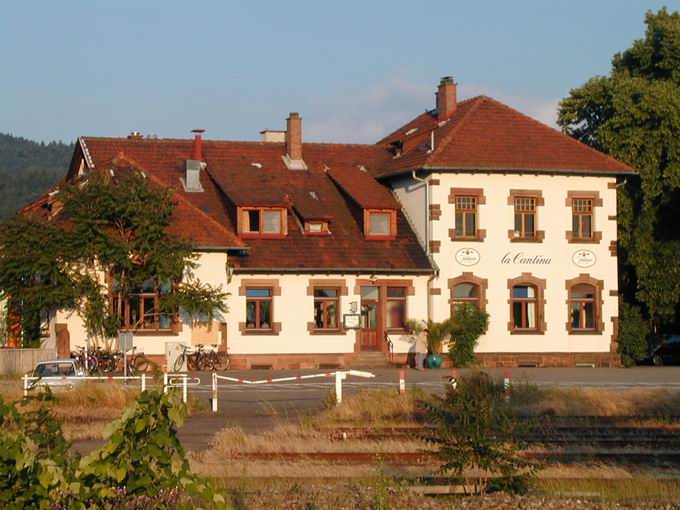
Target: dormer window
380,223
262,221
316,227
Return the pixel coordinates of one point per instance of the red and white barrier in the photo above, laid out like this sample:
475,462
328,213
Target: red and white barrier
402,383
339,375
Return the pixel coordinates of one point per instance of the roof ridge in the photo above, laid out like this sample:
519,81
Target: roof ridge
557,131
478,101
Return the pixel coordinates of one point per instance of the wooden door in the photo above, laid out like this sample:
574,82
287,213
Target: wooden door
370,318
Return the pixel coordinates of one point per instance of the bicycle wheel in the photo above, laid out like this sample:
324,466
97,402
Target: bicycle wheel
221,361
141,363
192,362
179,362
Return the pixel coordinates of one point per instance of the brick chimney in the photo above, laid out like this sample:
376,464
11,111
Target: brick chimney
446,98
198,144
293,157
294,136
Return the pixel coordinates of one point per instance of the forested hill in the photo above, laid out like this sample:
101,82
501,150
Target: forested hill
28,169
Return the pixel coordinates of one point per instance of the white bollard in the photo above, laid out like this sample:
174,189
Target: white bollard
214,392
402,383
184,388
454,379
165,382
506,379
338,387
143,382
25,385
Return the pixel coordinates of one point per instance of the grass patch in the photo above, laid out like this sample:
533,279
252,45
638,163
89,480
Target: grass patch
635,490
531,400
84,411
370,407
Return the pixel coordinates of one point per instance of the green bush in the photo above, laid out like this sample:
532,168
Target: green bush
468,323
474,428
633,334
141,466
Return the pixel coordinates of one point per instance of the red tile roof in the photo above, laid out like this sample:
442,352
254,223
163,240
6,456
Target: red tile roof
484,134
254,174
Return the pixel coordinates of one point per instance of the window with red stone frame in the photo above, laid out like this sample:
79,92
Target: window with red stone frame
326,308
380,224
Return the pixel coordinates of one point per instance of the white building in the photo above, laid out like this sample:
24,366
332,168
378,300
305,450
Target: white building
472,201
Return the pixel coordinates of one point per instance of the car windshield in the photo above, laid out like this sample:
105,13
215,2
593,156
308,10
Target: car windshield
54,370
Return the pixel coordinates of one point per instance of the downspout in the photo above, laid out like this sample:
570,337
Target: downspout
427,240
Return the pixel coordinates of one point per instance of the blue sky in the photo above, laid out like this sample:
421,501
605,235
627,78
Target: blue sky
353,69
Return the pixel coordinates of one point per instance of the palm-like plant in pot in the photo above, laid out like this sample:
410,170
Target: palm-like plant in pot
437,334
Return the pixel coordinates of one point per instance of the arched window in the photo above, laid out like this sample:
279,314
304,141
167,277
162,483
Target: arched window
467,288
466,293
524,307
584,305
582,308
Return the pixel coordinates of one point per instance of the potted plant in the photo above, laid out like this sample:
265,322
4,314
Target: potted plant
437,333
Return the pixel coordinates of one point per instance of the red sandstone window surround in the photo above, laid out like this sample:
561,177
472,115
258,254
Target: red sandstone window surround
380,224
396,308
584,302
326,308
527,305
583,206
466,202
525,218
262,222
259,308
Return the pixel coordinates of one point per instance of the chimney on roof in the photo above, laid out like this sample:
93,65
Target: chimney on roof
272,135
198,144
293,157
446,98
192,167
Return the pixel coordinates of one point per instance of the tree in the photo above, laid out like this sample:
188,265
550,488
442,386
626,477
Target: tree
100,229
634,115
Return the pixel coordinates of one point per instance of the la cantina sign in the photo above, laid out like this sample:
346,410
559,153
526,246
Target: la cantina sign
523,259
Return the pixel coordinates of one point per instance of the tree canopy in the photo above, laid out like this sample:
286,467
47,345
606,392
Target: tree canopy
634,114
97,229
28,169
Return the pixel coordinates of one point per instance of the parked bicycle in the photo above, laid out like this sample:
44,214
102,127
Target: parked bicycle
89,362
201,358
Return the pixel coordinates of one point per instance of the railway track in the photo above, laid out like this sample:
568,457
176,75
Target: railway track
562,440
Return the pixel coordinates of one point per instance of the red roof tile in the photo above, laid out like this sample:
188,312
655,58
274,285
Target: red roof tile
484,134
254,174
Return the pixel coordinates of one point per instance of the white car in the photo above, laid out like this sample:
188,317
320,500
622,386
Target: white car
58,368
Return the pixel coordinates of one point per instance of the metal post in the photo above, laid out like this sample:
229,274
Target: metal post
143,381
165,382
506,379
338,387
402,383
87,356
184,388
214,392
125,366
25,385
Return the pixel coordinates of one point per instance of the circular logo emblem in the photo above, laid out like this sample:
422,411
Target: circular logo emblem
467,256
584,258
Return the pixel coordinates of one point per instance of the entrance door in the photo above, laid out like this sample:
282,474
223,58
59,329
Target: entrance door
370,318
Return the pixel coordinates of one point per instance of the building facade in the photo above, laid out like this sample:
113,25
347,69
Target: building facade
327,249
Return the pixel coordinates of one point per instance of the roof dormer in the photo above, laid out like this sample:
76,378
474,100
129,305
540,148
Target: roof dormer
263,222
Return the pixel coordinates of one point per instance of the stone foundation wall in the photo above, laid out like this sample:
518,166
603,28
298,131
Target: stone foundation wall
548,359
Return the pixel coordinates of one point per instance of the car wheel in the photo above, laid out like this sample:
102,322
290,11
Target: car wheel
657,360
